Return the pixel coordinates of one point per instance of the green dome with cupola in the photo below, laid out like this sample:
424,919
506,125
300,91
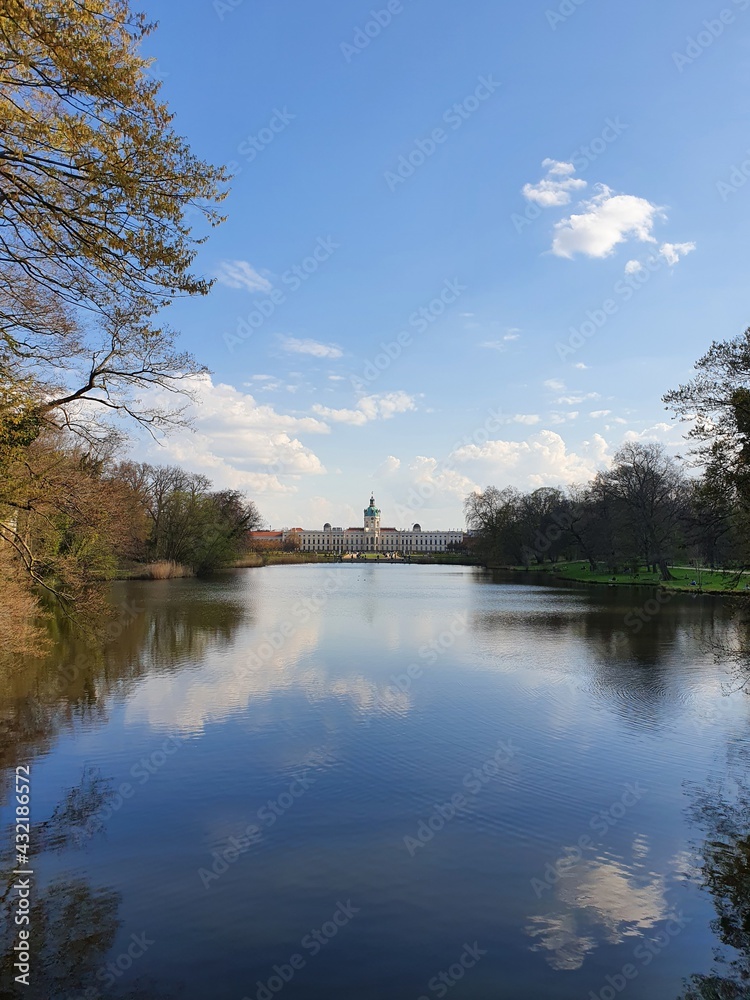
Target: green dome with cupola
372,510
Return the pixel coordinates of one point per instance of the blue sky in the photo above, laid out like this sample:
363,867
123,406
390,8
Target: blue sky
560,188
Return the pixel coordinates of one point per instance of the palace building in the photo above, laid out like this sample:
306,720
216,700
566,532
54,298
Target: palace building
369,538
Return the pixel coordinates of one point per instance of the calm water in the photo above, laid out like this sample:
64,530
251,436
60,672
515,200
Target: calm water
358,778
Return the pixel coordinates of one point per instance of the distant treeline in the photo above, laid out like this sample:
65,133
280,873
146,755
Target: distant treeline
645,511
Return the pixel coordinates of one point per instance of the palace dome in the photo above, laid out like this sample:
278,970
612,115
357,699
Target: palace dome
372,510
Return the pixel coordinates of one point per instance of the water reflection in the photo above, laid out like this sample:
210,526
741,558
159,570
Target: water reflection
722,810
267,691
598,900
75,924
154,629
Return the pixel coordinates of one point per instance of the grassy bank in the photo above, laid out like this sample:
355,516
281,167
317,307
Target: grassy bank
685,579
164,569
253,559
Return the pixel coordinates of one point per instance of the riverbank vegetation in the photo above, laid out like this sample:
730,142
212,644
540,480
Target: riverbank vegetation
103,209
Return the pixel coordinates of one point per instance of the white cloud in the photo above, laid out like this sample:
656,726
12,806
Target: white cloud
369,408
581,366
657,432
607,220
239,443
494,345
312,347
597,414
526,418
562,418
387,468
337,378
554,189
541,460
575,400
672,252
554,384
241,274
444,480
633,267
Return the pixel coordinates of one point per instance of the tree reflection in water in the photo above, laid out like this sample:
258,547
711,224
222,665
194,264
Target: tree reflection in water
722,809
74,924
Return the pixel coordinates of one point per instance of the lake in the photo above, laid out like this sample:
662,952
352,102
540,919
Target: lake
385,782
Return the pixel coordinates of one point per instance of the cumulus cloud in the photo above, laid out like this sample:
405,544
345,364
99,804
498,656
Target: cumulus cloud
293,345
369,408
633,267
241,274
673,252
607,219
238,442
387,468
542,460
554,189
555,384
441,476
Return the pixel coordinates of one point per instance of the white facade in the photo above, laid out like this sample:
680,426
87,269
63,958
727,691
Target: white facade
373,538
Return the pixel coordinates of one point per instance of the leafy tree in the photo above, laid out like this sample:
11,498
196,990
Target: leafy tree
97,195
717,404
648,491
189,522
95,180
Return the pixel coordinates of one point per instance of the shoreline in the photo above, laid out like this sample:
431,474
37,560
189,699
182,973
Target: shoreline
678,585
713,583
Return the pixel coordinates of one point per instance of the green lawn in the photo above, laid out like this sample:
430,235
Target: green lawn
710,582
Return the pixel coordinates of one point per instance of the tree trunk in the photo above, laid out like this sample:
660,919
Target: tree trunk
664,570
